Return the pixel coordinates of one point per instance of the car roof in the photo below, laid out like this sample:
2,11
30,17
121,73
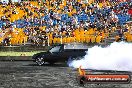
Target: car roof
75,46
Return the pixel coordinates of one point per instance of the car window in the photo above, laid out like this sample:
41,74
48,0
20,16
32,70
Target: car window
55,49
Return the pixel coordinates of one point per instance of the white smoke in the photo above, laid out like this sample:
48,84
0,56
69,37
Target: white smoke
117,56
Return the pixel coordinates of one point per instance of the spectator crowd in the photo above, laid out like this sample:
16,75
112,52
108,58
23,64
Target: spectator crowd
64,21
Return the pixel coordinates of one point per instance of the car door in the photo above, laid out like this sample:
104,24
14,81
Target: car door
66,54
56,53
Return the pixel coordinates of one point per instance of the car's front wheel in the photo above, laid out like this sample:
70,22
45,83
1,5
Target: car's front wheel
40,61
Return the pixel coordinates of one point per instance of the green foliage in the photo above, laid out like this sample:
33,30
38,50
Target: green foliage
11,53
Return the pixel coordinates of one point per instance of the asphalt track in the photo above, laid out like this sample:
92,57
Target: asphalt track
26,74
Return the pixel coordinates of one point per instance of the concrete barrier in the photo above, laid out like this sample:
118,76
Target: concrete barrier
24,48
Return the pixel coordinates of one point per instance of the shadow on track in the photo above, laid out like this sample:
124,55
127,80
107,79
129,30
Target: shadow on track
50,65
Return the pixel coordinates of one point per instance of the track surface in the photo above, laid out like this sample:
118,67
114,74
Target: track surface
26,74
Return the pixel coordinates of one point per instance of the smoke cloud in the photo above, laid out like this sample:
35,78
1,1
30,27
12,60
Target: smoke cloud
117,56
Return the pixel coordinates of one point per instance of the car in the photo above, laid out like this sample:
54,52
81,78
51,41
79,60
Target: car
61,53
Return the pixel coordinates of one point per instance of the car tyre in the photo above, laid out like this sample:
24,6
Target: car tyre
40,61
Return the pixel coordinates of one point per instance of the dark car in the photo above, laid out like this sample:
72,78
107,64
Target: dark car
60,53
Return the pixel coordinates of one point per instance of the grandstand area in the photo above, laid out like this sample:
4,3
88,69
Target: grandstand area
48,22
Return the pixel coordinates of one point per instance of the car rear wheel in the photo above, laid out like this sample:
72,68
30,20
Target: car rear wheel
40,61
